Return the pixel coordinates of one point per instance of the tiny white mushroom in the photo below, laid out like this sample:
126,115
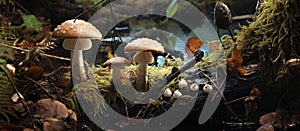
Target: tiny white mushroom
182,83
168,93
194,87
116,64
177,94
207,88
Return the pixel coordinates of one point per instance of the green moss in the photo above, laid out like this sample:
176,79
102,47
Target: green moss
273,36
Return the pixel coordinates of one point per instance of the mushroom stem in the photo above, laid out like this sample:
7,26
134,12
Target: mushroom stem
78,65
76,46
141,77
116,77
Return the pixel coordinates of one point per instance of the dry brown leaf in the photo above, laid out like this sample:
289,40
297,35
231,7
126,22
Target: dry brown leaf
235,62
214,46
192,45
251,102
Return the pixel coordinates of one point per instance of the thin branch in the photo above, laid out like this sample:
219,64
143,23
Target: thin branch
222,95
235,100
243,17
40,86
43,54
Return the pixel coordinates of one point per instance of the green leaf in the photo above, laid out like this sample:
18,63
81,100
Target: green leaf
6,53
31,22
172,8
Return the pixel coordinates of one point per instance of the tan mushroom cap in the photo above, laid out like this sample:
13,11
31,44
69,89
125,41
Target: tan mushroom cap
144,44
116,61
76,29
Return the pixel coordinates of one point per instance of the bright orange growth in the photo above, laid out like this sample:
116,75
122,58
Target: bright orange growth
192,45
235,62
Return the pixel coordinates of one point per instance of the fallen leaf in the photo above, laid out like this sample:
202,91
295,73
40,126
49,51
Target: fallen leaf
235,62
251,102
192,45
214,46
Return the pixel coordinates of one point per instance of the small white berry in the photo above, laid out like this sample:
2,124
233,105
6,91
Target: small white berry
207,88
182,83
168,93
194,87
177,94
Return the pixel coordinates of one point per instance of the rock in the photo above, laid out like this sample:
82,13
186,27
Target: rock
268,118
53,124
266,127
48,108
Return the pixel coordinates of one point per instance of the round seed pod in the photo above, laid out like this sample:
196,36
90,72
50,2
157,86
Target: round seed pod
222,15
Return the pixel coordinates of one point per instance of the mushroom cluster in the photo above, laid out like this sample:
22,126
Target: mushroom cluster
77,34
143,56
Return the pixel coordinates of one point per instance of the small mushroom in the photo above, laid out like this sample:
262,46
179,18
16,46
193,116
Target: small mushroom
207,88
77,34
177,94
143,48
168,93
116,63
182,83
194,87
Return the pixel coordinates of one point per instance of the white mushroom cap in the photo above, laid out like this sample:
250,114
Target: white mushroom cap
182,83
144,44
115,61
76,29
167,93
194,87
207,88
177,94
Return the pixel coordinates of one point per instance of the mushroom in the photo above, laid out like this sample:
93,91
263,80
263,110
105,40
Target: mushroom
116,63
143,48
182,83
207,88
194,87
177,94
77,34
167,93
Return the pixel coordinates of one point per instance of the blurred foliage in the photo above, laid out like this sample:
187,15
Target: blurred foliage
273,37
30,21
6,89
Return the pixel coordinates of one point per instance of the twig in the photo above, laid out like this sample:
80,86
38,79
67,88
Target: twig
276,59
40,86
43,54
87,10
225,100
243,17
22,7
19,95
235,100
